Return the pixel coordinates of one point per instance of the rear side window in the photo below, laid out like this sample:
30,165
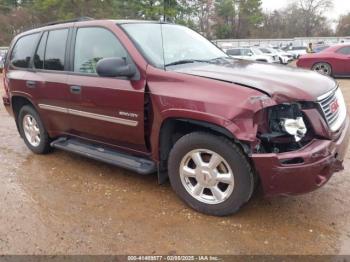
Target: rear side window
93,44
344,50
40,53
56,50
23,51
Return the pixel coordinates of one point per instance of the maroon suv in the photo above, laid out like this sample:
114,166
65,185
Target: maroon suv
155,97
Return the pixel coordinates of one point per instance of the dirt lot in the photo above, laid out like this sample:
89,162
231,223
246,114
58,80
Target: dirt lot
66,204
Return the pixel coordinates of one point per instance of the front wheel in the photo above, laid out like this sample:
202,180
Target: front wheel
210,173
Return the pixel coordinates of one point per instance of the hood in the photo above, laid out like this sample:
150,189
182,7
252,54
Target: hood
282,83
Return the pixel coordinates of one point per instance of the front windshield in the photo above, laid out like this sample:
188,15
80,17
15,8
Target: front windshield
166,44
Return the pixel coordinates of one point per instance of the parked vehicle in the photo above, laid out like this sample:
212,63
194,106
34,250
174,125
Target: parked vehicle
2,58
1,63
333,61
154,97
252,54
283,57
297,51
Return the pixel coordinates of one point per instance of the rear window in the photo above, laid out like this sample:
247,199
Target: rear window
23,51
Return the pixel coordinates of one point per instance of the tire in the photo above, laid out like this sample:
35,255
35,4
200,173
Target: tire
323,69
38,146
231,160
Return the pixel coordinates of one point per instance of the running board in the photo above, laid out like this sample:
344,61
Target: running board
139,165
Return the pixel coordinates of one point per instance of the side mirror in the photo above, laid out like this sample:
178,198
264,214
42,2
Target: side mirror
115,67
250,54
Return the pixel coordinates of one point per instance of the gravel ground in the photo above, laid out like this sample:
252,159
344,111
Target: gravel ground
65,204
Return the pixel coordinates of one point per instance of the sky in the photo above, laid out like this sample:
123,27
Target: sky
340,7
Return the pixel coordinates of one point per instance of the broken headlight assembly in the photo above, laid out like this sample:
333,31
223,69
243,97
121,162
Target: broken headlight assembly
285,129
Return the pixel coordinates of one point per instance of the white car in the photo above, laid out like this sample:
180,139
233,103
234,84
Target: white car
297,51
283,56
251,53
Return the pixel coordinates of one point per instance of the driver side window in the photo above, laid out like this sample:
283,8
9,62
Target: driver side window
344,50
93,44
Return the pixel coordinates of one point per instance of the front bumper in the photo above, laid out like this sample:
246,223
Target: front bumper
308,168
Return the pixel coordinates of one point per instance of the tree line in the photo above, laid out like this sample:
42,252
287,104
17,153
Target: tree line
217,19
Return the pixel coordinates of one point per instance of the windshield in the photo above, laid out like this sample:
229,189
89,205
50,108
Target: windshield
166,44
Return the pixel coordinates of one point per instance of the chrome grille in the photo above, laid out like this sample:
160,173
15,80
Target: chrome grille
334,108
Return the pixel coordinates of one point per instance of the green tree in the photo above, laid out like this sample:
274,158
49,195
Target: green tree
238,18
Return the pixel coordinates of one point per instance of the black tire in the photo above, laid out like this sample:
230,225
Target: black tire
44,146
242,172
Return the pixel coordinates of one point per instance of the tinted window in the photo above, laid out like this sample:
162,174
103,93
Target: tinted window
40,53
56,50
93,44
234,52
23,50
344,50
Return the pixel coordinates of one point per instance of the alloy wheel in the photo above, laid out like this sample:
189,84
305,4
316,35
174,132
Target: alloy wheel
323,68
207,176
31,130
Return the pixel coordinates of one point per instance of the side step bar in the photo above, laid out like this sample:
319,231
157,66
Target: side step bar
139,165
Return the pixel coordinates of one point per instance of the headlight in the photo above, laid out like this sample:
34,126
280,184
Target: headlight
287,119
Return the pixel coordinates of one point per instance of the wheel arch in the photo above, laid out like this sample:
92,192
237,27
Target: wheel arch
172,129
17,102
322,62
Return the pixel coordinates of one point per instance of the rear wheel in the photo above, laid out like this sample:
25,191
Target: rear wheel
323,69
210,173
33,131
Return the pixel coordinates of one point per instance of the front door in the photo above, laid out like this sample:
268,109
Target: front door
343,61
107,110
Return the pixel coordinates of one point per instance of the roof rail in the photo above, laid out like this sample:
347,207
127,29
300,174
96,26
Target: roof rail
79,19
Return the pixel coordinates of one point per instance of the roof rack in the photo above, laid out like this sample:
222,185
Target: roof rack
79,19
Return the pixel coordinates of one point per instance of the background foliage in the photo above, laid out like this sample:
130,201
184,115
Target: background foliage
212,18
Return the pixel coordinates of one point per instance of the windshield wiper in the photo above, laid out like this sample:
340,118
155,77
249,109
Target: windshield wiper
186,61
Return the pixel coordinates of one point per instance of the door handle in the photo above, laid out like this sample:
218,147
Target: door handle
75,90
31,84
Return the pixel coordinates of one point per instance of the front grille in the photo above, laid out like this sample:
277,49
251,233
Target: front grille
334,109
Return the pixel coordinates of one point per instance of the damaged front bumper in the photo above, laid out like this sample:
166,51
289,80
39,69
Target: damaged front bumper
304,170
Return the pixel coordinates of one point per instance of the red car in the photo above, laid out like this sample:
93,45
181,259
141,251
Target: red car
154,97
333,61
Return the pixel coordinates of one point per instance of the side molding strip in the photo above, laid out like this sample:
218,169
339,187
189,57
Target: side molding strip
115,120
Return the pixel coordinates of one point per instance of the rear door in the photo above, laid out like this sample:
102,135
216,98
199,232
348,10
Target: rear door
37,71
107,110
49,80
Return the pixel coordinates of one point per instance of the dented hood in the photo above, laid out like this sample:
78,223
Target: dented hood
283,83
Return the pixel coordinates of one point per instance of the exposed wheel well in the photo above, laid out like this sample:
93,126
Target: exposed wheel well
173,129
17,103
